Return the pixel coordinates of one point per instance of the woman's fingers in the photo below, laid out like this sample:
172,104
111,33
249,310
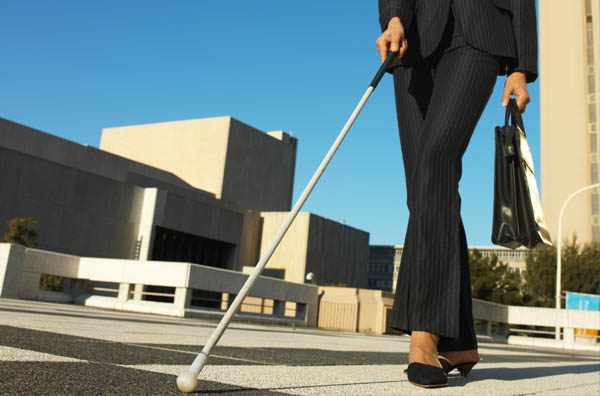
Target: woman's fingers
516,84
392,39
522,101
388,41
403,48
382,47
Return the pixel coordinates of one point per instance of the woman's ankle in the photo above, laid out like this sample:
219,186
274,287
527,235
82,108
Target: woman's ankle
423,348
424,338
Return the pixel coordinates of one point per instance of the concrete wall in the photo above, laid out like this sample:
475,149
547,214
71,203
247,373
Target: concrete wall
259,170
565,130
194,150
249,242
232,160
201,218
291,254
88,159
77,212
337,253
353,309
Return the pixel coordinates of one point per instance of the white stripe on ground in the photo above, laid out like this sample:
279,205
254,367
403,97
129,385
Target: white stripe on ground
8,354
196,353
498,379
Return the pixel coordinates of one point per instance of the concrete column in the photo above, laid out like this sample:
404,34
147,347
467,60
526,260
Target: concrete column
568,335
152,207
12,258
230,298
301,310
503,330
183,299
29,285
225,301
137,292
485,327
279,308
77,287
124,291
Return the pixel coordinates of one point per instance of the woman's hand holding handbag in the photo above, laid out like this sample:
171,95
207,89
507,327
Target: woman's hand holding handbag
518,219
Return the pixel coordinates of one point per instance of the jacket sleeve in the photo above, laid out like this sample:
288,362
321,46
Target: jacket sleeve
403,9
524,25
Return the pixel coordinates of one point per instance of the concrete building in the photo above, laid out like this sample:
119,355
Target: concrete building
311,245
384,262
569,110
232,160
199,191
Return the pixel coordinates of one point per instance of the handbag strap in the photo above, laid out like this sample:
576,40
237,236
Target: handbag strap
513,112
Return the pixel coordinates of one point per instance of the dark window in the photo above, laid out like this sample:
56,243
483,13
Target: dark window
171,245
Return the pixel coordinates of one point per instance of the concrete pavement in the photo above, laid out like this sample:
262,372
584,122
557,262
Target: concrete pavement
57,349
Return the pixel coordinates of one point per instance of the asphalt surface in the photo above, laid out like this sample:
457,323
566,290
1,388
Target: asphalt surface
100,370
131,354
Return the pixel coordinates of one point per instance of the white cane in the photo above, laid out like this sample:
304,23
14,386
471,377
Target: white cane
188,380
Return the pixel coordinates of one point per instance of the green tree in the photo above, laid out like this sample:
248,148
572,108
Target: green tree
21,231
492,280
580,272
540,278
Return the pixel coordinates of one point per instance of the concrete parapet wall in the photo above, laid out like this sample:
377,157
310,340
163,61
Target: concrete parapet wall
11,257
340,308
484,310
535,316
537,342
24,266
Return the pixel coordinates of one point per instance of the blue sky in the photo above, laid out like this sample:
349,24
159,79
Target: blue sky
71,68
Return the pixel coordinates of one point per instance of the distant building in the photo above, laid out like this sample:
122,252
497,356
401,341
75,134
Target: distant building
569,111
384,262
207,191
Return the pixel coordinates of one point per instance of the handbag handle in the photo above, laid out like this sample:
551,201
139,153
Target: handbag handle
513,112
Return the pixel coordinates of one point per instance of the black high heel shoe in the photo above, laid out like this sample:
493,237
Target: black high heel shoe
464,368
426,376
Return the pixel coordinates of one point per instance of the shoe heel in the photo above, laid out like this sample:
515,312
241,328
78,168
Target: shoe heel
464,369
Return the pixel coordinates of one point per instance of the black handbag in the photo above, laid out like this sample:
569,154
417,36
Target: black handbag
518,219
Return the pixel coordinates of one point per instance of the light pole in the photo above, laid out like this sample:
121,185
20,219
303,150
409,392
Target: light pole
559,247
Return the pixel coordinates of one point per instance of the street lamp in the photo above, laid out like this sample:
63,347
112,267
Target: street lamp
559,247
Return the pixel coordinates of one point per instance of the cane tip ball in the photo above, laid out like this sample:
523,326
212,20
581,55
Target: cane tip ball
187,382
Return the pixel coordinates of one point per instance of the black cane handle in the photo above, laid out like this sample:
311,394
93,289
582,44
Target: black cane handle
383,68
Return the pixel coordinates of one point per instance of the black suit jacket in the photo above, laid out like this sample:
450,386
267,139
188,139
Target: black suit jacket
504,28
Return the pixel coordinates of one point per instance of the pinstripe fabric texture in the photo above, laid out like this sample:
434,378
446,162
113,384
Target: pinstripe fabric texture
439,101
504,28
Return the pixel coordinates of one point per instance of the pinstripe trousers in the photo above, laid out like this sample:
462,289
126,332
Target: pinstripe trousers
439,101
